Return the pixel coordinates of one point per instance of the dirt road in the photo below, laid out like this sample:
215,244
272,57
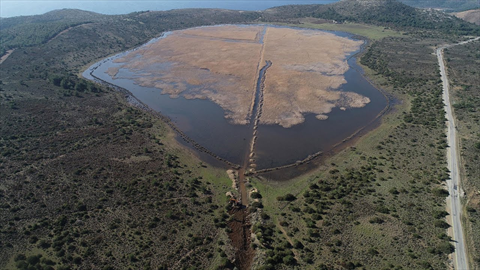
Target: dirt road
453,184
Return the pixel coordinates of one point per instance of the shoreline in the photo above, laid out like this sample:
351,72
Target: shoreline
192,143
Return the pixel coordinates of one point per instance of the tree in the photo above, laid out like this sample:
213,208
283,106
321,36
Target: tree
289,260
81,86
477,145
65,83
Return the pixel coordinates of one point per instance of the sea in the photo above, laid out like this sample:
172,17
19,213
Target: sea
12,8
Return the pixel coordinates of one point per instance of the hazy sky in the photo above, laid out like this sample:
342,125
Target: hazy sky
10,8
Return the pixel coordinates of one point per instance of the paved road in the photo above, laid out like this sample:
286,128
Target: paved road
453,184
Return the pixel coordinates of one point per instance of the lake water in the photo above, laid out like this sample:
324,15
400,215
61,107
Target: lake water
10,8
204,121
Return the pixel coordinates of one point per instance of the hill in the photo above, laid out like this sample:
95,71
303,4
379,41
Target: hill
388,13
88,179
450,5
26,31
472,16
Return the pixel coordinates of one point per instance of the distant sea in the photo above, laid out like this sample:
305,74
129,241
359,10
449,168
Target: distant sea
11,8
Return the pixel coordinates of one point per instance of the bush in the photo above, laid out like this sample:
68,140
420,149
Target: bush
377,220
257,205
446,248
297,244
20,257
477,145
394,191
440,214
289,260
441,224
33,260
440,192
44,244
382,209
289,197
255,195
471,209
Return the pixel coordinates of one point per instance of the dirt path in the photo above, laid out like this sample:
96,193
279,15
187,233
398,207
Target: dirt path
5,56
240,225
297,257
454,204
66,30
240,236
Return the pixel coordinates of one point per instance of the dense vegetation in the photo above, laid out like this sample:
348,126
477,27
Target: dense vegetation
35,30
379,205
389,13
449,5
462,64
88,180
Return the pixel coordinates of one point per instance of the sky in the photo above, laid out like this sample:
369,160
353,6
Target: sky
11,8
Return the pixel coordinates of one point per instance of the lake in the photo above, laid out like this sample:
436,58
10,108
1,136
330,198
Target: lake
204,121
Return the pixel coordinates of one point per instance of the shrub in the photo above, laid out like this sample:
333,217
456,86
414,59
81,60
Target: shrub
441,224
255,195
20,257
289,260
297,244
34,259
471,209
257,205
290,197
440,192
477,145
446,248
440,214
372,252
382,209
377,220
394,191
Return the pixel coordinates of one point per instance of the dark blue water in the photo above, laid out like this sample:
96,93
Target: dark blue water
204,121
280,146
10,8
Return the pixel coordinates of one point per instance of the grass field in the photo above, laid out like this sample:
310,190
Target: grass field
371,32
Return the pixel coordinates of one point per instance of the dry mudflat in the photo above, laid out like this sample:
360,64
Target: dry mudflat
308,69
222,64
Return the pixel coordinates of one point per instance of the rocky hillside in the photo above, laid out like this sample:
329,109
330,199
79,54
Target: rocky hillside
472,16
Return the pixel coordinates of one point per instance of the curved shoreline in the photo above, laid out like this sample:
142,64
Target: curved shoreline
136,102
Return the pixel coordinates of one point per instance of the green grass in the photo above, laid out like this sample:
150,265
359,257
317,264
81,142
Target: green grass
368,31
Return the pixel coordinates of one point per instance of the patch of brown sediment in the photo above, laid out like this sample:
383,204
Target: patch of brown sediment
308,67
221,71
113,71
240,235
226,32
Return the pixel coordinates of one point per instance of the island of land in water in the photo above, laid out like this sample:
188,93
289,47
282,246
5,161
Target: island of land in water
222,64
